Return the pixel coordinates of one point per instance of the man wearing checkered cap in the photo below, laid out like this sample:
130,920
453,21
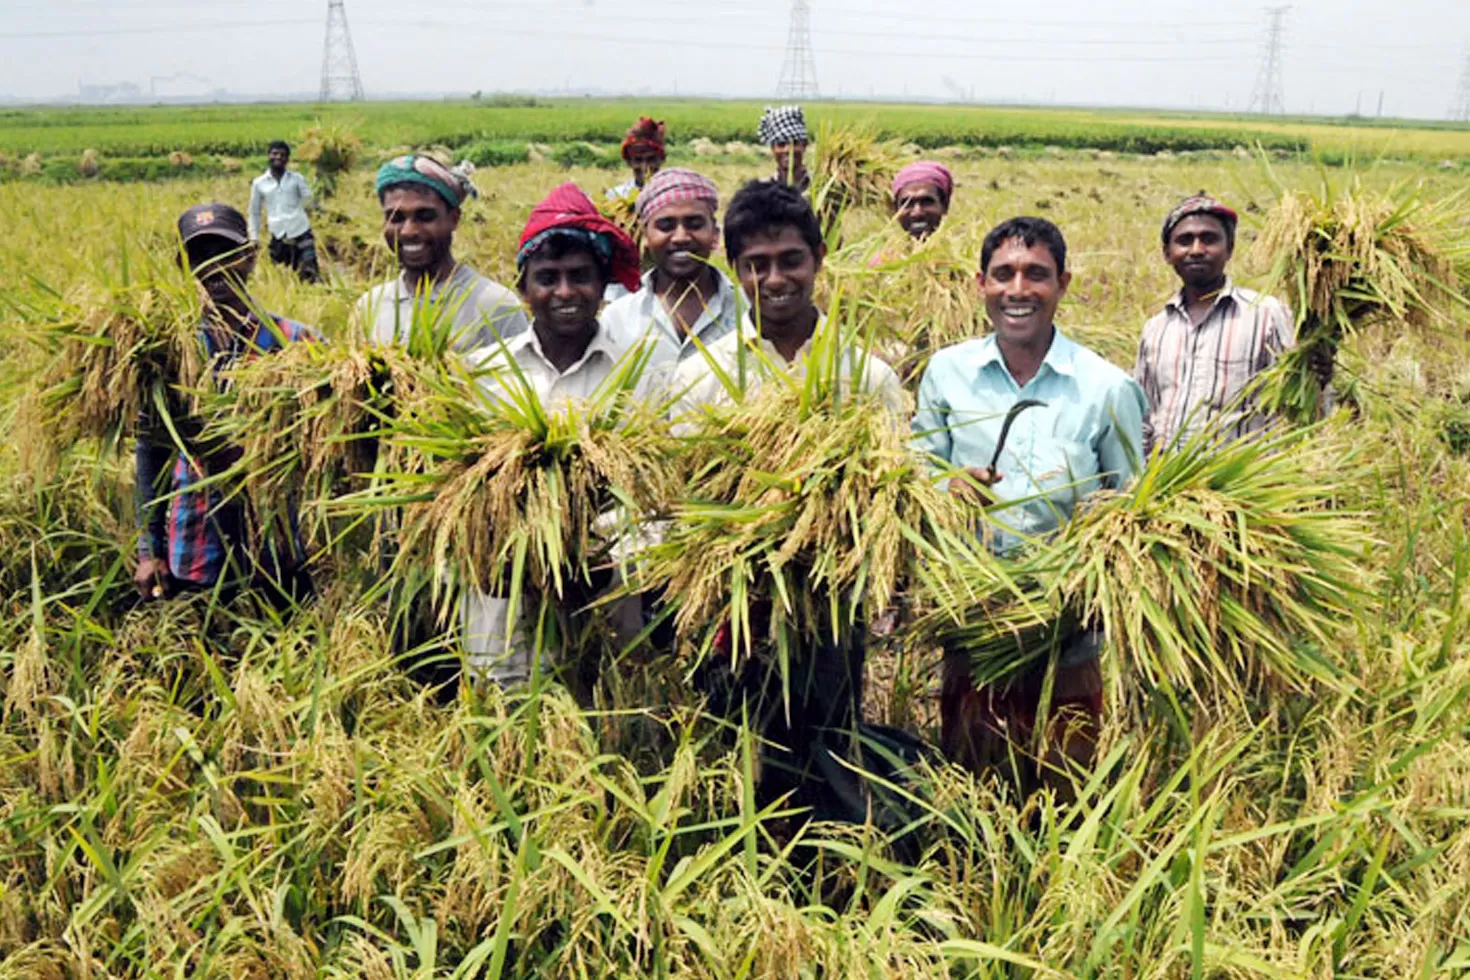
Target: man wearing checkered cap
1199,355
685,302
783,129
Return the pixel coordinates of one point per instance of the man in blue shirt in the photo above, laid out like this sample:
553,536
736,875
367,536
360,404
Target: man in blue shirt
1087,435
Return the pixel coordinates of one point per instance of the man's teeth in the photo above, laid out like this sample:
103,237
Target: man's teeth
1018,311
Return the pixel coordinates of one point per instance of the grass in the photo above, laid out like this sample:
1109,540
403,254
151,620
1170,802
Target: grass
187,791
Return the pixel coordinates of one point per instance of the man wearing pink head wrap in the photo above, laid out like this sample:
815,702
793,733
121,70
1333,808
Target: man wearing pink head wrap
921,194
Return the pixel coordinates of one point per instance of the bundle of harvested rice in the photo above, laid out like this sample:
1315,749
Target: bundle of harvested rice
805,512
123,352
622,211
854,168
1347,258
1220,572
510,493
332,148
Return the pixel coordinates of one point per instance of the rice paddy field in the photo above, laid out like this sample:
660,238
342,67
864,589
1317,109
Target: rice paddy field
195,790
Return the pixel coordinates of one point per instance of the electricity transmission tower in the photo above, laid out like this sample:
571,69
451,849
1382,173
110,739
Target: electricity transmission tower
340,80
1266,96
1460,109
798,72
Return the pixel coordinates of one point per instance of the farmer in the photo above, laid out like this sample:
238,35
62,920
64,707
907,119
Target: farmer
1213,337
421,200
921,194
643,152
195,539
568,254
285,194
774,243
1087,434
685,302
783,129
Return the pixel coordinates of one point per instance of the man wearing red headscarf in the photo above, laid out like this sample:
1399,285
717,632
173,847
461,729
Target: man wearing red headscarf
921,193
568,255
643,151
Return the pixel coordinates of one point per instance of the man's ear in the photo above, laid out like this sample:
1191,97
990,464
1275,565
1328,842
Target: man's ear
1066,280
821,254
454,214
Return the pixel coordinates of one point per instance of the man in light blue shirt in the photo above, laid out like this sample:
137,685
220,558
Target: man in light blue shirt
1087,435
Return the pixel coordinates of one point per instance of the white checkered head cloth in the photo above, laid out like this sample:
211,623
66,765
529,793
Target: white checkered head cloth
782,124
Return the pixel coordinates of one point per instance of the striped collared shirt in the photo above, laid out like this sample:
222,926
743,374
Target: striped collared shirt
1193,373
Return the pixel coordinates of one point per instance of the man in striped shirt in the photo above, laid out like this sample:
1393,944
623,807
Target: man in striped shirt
1199,354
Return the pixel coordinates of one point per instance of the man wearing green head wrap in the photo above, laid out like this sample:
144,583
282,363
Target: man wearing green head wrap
434,296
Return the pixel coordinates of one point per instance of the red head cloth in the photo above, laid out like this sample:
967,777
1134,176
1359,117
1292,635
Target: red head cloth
925,172
646,134
567,209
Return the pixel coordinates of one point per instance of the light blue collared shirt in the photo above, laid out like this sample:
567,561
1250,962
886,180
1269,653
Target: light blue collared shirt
1089,434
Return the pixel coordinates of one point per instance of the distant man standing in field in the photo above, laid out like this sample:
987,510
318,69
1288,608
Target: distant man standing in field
435,299
685,302
1199,354
568,254
285,194
783,129
1086,434
197,539
643,152
921,194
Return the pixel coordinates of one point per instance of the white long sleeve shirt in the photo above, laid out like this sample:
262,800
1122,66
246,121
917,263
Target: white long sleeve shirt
285,202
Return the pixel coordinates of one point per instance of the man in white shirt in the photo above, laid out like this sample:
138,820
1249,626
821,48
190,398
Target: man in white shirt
685,302
774,243
435,303
568,255
285,195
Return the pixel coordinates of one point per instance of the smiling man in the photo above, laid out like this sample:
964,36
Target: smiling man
568,254
1199,354
774,243
685,302
285,195
783,130
921,196
1087,434
434,296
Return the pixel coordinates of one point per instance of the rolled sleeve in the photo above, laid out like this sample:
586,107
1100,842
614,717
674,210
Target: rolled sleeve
1120,446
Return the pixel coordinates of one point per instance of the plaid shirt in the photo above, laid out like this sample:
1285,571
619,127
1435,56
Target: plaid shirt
193,532
1192,374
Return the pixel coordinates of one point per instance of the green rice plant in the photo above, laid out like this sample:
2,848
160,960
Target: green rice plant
853,168
1347,257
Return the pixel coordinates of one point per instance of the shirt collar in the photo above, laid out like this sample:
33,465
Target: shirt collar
751,336
1228,291
458,279
1060,356
528,342
714,310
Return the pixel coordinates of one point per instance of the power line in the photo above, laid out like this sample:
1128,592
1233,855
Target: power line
798,70
1266,96
340,78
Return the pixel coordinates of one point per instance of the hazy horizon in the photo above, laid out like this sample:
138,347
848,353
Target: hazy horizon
1337,58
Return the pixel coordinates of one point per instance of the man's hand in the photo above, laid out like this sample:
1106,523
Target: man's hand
970,485
152,578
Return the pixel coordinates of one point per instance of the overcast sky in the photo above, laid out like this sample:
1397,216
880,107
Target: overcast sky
1338,54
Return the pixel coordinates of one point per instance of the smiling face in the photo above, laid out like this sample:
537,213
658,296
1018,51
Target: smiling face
1198,249
778,271
1022,289
278,158
418,226
920,208
788,157
680,238
564,293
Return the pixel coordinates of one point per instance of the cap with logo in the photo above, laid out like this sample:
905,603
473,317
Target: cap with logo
219,220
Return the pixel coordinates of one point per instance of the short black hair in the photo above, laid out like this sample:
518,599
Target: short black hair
1030,231
278,145
554,247
763,206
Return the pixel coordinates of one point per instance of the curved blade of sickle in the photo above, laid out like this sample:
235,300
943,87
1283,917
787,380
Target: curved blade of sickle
1005,427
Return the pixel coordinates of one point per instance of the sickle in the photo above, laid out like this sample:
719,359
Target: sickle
1005,427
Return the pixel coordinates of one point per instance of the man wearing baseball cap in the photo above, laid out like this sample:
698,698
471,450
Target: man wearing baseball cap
1198,356
196,539
684,302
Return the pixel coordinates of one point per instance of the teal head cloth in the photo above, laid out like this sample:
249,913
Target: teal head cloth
451,183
